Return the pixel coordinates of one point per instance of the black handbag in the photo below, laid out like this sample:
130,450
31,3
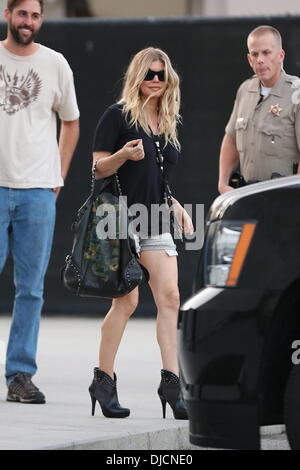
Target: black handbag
102,266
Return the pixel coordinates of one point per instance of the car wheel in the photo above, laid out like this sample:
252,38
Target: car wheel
292,408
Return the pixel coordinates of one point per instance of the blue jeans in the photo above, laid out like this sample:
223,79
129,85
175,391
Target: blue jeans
27,219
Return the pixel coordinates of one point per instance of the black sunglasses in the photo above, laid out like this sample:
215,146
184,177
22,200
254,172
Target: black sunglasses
151,74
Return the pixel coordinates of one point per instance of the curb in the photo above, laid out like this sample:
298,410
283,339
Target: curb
160,439
175,439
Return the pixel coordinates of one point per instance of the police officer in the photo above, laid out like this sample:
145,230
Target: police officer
263,133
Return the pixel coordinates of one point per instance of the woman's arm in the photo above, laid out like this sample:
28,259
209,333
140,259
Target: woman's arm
108,163
184,220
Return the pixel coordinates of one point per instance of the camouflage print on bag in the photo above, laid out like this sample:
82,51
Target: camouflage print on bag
104,252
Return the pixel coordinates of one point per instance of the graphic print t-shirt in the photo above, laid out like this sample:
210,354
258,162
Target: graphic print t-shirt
32,90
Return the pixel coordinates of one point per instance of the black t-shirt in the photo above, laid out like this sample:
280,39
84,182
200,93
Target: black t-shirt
141,181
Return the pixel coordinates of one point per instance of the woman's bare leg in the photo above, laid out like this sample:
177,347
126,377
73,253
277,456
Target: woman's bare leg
113,328
163,272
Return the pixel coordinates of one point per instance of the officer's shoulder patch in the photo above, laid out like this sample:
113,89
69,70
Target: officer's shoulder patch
293,80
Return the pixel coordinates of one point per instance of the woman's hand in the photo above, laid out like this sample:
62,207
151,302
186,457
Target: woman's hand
183,219
134,150
108,164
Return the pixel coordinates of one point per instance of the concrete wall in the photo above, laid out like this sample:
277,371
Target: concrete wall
236,7
137,8
160,8
53,8
205,8
259,7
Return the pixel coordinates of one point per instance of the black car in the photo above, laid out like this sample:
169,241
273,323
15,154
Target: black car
239,333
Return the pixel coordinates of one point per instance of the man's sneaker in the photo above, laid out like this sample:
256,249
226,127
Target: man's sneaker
22,390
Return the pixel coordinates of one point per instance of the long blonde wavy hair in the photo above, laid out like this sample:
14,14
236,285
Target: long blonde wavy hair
168,103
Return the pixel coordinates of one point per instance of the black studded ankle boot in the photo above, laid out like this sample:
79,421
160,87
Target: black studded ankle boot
104,390
169,392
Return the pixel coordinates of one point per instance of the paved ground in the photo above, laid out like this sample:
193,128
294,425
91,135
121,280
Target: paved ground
68,350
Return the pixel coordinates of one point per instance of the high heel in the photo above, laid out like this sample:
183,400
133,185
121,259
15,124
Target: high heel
93,404
163,404
169,391
104,390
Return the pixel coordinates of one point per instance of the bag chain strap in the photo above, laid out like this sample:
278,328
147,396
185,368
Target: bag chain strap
160,161
93,184
118,184
167,191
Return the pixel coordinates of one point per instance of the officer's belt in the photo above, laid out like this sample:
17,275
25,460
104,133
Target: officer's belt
251,182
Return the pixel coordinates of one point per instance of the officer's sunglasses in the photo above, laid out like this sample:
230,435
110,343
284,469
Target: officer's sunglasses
151,74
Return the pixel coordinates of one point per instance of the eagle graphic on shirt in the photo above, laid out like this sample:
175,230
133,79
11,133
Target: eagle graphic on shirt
19,90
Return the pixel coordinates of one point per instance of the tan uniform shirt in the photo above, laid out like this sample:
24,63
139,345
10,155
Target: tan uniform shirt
267,134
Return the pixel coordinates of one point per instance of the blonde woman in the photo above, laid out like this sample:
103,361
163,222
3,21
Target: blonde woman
137,138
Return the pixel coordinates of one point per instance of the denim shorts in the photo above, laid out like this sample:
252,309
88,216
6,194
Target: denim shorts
158,242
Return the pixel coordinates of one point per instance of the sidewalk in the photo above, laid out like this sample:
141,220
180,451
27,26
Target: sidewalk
68,349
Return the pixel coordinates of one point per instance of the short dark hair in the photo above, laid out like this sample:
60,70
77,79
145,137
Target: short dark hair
12,4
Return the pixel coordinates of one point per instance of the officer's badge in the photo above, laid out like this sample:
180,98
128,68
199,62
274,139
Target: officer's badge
275,110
